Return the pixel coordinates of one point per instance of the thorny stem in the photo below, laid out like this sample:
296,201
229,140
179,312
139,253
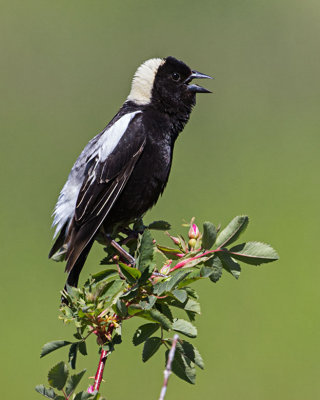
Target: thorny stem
184,262
167,371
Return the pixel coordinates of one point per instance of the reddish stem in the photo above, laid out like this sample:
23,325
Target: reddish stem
103,358
99,373
184,262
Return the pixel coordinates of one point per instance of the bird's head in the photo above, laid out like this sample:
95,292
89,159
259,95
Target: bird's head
166,83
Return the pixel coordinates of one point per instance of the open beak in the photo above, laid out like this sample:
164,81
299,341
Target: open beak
196,88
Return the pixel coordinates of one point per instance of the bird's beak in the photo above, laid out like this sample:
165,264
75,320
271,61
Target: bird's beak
196,88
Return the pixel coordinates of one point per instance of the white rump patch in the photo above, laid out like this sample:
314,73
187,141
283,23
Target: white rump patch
142,82
101,145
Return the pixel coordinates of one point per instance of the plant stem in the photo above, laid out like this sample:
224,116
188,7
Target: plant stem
103,358
184,262
100,369
167,371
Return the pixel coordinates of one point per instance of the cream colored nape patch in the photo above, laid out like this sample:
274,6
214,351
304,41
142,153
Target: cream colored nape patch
142,82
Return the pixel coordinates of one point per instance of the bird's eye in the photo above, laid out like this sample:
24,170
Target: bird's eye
175,76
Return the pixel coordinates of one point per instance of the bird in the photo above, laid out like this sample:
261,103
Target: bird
123,170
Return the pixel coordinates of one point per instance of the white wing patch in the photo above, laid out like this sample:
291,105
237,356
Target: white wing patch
143,79
101,145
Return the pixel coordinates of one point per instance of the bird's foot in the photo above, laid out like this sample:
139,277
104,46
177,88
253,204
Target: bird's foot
128,257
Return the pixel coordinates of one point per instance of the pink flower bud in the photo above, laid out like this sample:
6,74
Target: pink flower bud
193,232
166,268
90,389
175,240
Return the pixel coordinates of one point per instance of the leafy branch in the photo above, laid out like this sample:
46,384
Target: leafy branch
151,290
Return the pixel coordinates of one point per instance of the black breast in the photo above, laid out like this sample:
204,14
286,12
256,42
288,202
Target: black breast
150,174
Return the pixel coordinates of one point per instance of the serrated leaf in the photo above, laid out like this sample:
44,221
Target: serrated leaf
191,352
107,275
155,316
192,293
159,225
121,308
161,318
52,346
131,274
73,382
111,289
214,265
254,253
146,274
206,271
165,309
83,348
185,327
49,393
143,332
182,367
145,250
209,235
72,356
229,264
58,375
180,295
84,396
151,346
232,232
148,303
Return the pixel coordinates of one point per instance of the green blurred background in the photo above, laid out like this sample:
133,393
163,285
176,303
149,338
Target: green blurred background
251,147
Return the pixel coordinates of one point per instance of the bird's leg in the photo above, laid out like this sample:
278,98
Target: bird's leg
122,251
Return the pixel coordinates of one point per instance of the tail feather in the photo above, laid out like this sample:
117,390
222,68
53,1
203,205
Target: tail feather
73,275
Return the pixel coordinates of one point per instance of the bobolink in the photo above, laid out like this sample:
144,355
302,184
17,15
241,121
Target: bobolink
122,171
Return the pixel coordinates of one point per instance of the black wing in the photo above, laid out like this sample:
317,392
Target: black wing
103,183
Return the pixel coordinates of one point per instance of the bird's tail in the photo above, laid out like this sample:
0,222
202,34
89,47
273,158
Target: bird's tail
73,275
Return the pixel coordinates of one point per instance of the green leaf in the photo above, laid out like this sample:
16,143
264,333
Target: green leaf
159,225
84,396
170,283
182,367
161,318
107,275
212,269
231,233
180,295
131,274
146,275
73,382
58,375
122,309
229,264
151,346
185,327
209,235
82,348
143,332
72,357
216,266
169,252
49,393
111,289
191,352
145,250
155,316
165,309
148,303
254,253
52,346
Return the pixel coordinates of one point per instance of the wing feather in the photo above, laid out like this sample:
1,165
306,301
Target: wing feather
99,191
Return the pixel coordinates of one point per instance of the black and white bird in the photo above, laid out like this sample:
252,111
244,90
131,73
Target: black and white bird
122,171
